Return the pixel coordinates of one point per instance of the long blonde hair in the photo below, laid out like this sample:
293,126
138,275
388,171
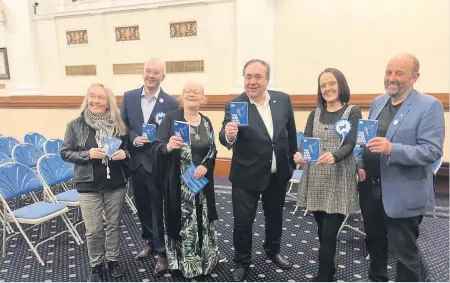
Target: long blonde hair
119,125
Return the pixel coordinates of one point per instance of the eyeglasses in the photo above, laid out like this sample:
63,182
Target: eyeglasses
189,91
99,97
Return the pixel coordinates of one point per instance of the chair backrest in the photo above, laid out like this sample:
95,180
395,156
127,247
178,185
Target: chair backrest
4,158
7,144
54,170
53,146
17,179
300,135
27,154
35,139
436,165
297,175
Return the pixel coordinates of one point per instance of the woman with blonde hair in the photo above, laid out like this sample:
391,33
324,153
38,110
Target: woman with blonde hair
190,216
99,179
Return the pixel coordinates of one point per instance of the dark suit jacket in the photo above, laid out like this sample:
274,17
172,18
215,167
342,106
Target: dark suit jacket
252,150
131,112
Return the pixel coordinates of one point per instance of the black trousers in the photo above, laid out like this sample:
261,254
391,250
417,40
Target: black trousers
327,228
245,204
383,231
149,204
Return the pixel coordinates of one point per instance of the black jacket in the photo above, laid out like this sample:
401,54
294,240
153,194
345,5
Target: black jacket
252,150
74,151
167,170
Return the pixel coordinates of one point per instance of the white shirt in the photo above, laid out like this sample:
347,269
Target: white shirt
147,104
266,115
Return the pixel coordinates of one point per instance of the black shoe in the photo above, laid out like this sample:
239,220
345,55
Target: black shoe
145,253
281,261
115,269
239,274
96,273
161,265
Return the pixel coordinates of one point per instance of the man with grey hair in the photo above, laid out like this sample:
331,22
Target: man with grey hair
147,105
396,180
262,164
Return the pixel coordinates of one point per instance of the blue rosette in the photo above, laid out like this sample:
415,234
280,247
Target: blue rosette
159,117
342,128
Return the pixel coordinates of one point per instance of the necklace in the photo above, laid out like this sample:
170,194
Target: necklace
195,128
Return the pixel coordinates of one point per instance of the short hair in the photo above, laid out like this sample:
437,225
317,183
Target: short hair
343,89
415,61
202,89
264,63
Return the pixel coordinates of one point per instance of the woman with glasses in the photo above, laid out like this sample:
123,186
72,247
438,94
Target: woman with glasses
100,179
190,217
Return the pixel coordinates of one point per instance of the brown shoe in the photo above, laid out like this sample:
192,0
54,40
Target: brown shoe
161,265
145,253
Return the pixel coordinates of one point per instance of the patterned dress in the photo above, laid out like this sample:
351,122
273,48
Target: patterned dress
330,188
196,253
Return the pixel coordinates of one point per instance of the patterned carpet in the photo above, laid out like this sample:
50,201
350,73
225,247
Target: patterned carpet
68,262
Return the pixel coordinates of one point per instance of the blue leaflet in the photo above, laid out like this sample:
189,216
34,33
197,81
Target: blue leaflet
367,130
239,113
311,149
194,185
149,131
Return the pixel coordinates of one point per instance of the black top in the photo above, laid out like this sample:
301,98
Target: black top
101,182
331,118
199,148
166,172
372,160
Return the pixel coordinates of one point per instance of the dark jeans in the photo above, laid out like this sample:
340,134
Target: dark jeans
327,228
383,231
149,204
245,204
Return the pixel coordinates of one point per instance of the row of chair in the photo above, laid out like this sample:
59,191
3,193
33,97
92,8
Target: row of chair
18,180
48,146
48,166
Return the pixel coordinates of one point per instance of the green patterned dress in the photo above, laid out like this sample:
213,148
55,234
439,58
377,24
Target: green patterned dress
196,253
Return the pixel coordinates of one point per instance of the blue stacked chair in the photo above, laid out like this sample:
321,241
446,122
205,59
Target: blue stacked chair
17,179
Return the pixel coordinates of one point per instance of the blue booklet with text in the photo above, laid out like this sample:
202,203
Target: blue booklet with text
311,149
239,113
194,185
149,131
367,130
182,129
111,145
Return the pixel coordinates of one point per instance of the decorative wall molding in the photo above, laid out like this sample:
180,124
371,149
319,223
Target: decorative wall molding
81,70
128,69
75,37
107,6
300,102
193,66
128,33
183,29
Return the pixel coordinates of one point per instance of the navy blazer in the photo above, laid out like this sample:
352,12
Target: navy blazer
252,150
417,135
131,112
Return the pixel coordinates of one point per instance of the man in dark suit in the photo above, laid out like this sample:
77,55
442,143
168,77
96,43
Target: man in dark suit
147,104
262,164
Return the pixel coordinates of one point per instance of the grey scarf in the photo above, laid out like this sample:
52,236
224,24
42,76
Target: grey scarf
103,125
